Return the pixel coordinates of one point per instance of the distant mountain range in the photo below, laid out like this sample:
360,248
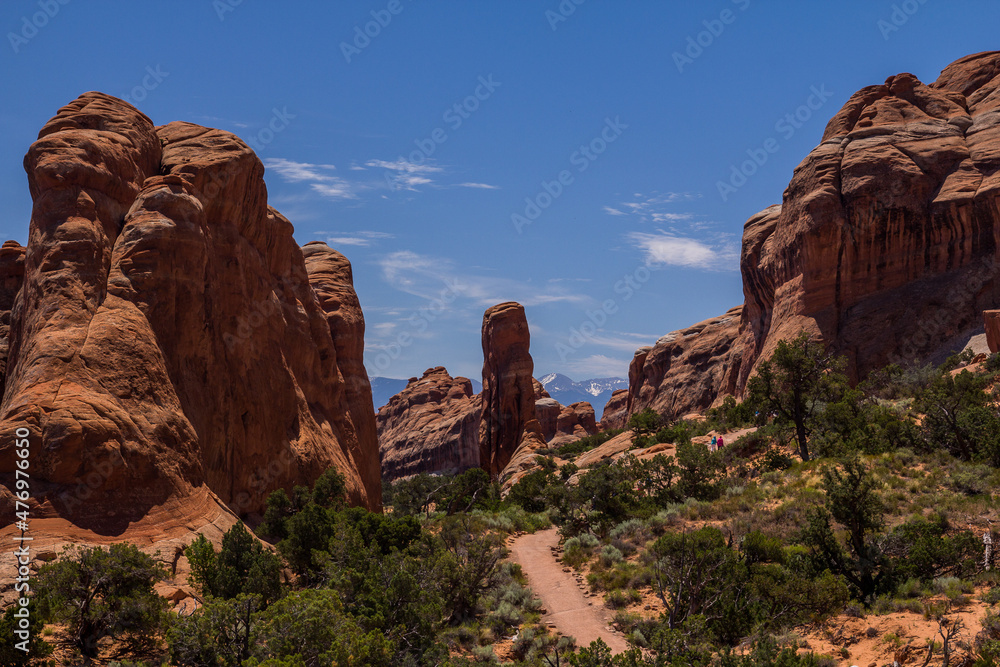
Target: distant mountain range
385,388
596,391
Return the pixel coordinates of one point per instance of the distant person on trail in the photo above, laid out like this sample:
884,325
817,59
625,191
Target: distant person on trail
721,443
711,447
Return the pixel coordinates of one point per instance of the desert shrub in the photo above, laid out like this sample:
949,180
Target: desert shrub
242,566
104,593
972,480
610,555
37,648
645,422
627,529
959,419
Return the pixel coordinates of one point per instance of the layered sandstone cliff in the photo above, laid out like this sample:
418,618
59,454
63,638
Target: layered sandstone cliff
166,349
885,246
432,426
686,370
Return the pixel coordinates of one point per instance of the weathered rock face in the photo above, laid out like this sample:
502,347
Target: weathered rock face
508,396
686,370
11,279
885,245
332,279
432,426
992,322
615,411
561,424
166,343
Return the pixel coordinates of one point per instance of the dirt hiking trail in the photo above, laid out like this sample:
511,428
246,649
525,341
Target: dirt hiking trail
566,606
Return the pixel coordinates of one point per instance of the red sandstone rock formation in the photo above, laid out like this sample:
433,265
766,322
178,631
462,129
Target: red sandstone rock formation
992,321
11,279
167,352
332,279
432,426
686,370
508,392
885,245
508,397
615,411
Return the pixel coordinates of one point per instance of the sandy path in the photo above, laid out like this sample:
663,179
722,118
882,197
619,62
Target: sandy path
563,598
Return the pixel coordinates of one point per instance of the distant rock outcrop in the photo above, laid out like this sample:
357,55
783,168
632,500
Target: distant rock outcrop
167,352
686,370
432,426
615,411
508,397
437,425
885,246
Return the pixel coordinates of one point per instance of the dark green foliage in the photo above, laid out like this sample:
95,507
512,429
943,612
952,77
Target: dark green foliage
103,593
923,549
678,433
37,647
279,508
313,626
731,415
700,472
765,653
645,422
693,573
959,417
775,459
992,364
330,490
795,385
242,566
222,633
530,491
851,500
464,492
610,489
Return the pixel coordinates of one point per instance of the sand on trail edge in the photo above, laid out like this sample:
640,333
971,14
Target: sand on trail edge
566,607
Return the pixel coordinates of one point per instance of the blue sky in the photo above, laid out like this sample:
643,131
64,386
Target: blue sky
578,174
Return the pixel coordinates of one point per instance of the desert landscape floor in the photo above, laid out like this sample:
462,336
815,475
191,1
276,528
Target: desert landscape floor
566,605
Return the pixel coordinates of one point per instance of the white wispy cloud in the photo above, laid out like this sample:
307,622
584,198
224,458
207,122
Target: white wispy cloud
336,189
406,175
361,238
405,166
425,276
482,186
299,171
664,248
613,211
316,175
597,365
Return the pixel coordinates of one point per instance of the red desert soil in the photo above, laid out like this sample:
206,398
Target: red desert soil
563,598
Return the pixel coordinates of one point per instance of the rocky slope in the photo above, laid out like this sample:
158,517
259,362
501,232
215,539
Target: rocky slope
432,426
885,245
167,351
686,371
